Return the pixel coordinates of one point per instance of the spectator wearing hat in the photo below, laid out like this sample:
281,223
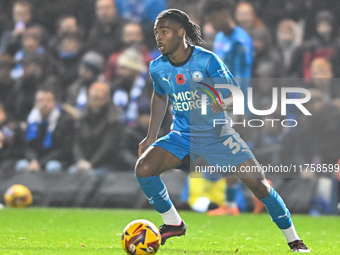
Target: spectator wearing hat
313,8
98,133
11,38
91,66
132,37
49,135
105,35
323,44
129,84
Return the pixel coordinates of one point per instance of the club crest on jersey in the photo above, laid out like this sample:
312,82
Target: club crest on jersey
180,79
197,76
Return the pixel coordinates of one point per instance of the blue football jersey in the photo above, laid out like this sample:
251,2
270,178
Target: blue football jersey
236,51
181,82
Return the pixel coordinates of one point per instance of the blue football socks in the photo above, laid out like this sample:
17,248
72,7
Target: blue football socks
156,192
277,210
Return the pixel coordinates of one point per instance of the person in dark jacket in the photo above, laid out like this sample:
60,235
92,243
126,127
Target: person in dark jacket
105,35
98,134
49,135
69,56
12,35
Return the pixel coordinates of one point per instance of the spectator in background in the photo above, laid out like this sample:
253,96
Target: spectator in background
67,24
98,132
47,12
264,53
208,33
132,37
313,8
11,38
322,79
323,44
35,72
289,40
11,142
64,25
6,81
49,135
91,66
129,84
105,35
69,56
131,137
31,43
246,18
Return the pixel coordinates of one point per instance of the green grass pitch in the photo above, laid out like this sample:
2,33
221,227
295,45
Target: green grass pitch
92,231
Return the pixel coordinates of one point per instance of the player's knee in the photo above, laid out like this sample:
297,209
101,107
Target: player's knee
143,169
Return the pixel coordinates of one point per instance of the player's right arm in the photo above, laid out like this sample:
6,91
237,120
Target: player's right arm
159,105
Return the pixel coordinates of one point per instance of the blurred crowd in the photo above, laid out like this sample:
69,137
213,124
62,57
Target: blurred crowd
75,91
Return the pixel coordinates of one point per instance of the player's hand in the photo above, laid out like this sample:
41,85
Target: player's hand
143,145
218,108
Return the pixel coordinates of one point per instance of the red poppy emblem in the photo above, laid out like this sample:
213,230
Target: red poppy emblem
180,79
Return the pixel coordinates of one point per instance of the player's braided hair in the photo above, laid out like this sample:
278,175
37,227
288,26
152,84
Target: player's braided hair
193,31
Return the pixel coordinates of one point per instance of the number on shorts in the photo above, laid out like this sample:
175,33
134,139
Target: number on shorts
234,146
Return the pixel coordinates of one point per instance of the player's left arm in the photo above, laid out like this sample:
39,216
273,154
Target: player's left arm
219,73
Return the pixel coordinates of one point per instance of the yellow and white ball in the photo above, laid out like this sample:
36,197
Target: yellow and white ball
18,196
141,237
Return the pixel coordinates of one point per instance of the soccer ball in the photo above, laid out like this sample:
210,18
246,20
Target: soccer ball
18,196
141,237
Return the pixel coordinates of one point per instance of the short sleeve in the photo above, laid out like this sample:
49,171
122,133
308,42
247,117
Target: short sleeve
156,85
